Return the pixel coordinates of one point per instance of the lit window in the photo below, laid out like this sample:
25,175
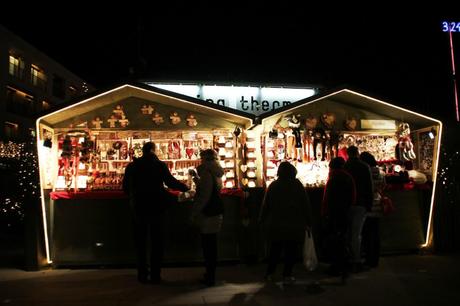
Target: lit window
37,77
16,67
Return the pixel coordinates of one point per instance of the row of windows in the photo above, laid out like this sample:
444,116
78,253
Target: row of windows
21,103
11,131
38,77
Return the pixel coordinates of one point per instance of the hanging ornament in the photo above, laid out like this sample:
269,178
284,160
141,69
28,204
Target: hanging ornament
405,148
191,120
147,109
157,119
118,112
328,120
97,123
351,123
174,118
112,120
236,131
123,121
311,122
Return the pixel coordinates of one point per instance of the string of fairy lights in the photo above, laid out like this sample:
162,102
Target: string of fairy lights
11,150
447,175
22,161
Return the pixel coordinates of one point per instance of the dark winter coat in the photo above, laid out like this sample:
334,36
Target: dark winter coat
144,181
286,210
361,173
339,195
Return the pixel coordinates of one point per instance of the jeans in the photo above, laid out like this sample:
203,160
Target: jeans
357,216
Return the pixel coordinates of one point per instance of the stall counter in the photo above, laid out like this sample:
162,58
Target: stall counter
94,228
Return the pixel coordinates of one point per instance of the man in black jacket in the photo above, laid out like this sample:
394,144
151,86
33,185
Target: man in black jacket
361,173
144,182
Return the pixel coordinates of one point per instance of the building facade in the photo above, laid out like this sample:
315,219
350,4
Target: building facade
30,82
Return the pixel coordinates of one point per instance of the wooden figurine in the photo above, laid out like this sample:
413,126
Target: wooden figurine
118,112
157,119
174,118
123,121
147,109
112,121
97,123
191,120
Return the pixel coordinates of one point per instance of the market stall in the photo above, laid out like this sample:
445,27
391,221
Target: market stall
406,145
85,147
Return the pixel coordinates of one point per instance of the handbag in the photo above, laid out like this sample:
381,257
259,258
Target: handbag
215,205
310,260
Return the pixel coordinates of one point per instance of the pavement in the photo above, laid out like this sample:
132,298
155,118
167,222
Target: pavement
399,280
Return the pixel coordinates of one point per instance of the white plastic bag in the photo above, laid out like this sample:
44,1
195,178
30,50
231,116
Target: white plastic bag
310,260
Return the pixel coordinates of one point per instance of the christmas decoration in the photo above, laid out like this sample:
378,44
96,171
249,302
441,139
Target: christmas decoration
157,119
174,118
97,123
20,160
147,109
191,120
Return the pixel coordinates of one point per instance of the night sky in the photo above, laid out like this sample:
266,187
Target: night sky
402,58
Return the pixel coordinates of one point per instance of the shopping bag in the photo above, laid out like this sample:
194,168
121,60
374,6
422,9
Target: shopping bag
310,260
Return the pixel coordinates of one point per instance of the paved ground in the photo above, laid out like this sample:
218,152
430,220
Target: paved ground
400,280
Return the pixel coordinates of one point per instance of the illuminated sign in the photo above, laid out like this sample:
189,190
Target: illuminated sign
250,99
374,124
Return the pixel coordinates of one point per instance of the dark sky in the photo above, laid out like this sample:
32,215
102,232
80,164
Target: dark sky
400,57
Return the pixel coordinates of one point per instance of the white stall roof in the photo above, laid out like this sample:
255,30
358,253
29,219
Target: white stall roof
350,98
148,93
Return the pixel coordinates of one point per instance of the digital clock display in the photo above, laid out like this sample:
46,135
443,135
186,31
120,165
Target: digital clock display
450,26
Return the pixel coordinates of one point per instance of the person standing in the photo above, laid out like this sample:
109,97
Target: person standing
207,210
339,196
361,173
144,183
285,215
371,228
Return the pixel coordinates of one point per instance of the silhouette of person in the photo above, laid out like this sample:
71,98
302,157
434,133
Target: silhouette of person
361,173
144,182
285,215
208,186
339,196
371,227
